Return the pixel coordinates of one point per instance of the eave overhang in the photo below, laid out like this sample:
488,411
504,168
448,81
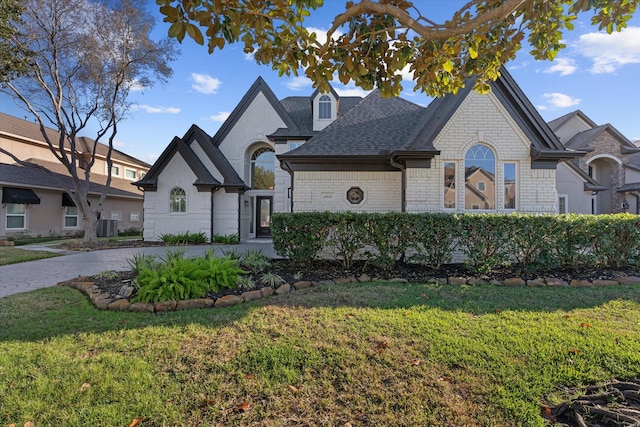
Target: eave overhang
545,158
292,163
412,158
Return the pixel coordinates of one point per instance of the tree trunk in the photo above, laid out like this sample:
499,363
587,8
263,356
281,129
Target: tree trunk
90,226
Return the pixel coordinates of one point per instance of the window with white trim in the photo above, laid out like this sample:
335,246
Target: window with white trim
324,107
480,167
117,215
16,216
70,217
449,186
562,204
177,200
115,170
129,173
263,169
134,216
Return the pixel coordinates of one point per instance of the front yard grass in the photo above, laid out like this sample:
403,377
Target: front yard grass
12,255
389,354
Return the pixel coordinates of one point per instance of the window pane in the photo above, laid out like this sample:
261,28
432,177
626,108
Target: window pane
130,173
263,170
562,205
13,208
510,186
71,221
15,221
115,170
450,185
177,200
479,166
324,107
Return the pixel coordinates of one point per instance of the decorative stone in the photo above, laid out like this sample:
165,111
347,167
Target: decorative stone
119,305
364,278
536,282
102,301
554,281
142,307
604,282
344,280
584,283
126,291
496,282
457,280
188,304
302,285
476,281
437,280
266,291
513,281
629,280
283,289
165,306
251,295
228,301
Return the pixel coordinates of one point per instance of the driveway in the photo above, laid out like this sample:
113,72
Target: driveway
27,276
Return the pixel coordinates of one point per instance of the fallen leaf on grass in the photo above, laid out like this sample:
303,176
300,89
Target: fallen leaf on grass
350,316
585,325
84,386
425,296
566,316
29,424
415,362
293,388
498,311
136,421
547,414
574,351
206,400
244,406
249,376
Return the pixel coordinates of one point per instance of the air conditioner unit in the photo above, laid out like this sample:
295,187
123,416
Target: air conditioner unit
107,228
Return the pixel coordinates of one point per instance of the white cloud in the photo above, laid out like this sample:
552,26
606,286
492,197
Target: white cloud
351,90
298,83
610,51
204,83
558,100
135,86
156,110
563,66
321,34
220,117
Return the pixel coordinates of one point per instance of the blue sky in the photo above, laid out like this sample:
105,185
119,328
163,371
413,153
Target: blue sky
597,73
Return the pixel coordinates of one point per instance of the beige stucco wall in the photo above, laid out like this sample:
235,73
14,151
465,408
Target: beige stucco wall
327,191
570,128
571,185
47,218
481,119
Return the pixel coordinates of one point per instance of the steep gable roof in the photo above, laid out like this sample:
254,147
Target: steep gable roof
259,86
204,178
583,140
557,123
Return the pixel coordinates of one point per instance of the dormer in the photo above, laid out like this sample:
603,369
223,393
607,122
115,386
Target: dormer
325,108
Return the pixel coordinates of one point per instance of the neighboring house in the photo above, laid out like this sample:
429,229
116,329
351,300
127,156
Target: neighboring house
34,201
464,152
607,178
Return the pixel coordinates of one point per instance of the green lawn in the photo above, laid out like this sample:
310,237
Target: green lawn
12,255
382,354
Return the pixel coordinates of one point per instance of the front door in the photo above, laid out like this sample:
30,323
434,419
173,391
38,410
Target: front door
263,215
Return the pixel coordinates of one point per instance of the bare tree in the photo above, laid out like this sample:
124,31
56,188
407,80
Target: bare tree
86,57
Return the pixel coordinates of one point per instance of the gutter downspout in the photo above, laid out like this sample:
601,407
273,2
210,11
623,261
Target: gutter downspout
403,171
285,167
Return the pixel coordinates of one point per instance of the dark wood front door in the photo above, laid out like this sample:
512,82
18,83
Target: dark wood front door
263,215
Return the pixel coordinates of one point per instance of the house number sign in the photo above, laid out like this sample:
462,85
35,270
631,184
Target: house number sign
355,195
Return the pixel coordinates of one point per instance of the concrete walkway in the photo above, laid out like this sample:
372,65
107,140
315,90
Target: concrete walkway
27,276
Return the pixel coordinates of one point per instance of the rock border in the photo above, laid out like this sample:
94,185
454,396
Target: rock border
120,302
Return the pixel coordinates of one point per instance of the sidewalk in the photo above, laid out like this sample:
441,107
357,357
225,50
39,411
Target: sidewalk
27,276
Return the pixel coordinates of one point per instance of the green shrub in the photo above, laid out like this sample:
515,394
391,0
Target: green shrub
616,241
300,236
271,279
186,238
345,238
140,261
255,261
436,238
227,239
388,236
179,278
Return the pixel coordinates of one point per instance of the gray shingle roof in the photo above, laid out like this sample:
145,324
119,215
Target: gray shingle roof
375,126
26,129
37,177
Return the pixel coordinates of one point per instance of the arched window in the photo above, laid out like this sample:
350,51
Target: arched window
177,200
324,107
480,178
263,169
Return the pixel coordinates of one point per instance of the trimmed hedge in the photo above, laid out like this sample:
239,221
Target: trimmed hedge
488,241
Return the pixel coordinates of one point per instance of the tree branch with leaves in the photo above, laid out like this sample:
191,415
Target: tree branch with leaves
372,42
